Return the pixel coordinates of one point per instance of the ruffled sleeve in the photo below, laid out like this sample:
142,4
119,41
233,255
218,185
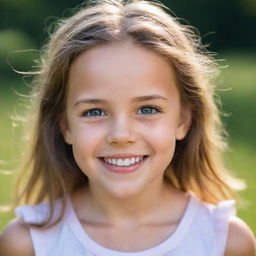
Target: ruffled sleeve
222,213
44,240
33,214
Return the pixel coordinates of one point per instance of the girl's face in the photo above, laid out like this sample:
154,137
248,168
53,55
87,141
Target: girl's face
122,104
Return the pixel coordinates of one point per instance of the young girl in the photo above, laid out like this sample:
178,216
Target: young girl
125,158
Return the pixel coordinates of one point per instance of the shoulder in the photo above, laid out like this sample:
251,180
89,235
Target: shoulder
240,241
16,240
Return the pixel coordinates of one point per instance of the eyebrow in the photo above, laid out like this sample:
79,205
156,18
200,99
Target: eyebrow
134,100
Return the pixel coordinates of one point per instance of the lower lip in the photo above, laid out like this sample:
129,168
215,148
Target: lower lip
123,169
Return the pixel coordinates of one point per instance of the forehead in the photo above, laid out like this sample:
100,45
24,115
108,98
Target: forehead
125,66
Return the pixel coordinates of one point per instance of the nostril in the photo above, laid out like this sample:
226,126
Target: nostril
120,137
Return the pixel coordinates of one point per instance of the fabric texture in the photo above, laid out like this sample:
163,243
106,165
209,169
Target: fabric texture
202,231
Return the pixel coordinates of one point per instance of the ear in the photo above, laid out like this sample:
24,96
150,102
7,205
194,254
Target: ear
64,129
184,122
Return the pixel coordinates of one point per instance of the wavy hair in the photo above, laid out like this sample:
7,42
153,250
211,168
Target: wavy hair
197,165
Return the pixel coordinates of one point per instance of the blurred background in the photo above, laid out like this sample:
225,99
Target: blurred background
227,27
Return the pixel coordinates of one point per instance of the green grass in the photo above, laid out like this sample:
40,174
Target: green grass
239,103
8,146
242,161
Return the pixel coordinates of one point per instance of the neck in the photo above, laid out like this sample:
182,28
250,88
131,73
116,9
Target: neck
144,207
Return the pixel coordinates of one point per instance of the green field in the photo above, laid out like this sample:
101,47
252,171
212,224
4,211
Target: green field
238,104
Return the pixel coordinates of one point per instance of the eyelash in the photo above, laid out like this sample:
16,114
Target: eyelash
157,109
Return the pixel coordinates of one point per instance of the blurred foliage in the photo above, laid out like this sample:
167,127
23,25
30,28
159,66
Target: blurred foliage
229,22
15,52
237,92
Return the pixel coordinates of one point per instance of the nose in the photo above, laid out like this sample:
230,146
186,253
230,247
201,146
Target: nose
121,132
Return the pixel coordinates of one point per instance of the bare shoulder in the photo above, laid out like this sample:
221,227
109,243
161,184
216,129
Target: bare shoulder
241,241
16,240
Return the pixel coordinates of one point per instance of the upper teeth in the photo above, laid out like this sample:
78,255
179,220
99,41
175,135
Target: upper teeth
123,162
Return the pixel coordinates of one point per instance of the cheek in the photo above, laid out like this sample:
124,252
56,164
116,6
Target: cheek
162,138
84,134
85,142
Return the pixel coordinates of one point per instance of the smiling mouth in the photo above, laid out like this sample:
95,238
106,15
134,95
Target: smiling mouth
123,162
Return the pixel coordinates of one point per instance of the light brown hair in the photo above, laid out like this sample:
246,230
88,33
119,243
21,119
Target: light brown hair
197,164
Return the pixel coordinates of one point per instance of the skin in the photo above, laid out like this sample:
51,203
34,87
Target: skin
125,207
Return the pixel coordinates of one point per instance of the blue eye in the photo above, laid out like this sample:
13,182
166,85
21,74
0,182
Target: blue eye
93,112
149,110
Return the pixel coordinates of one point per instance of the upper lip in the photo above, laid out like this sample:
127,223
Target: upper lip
126,155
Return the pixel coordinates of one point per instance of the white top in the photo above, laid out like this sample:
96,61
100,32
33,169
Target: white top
202,231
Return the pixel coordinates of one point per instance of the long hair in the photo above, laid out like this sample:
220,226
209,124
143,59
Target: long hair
197,165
